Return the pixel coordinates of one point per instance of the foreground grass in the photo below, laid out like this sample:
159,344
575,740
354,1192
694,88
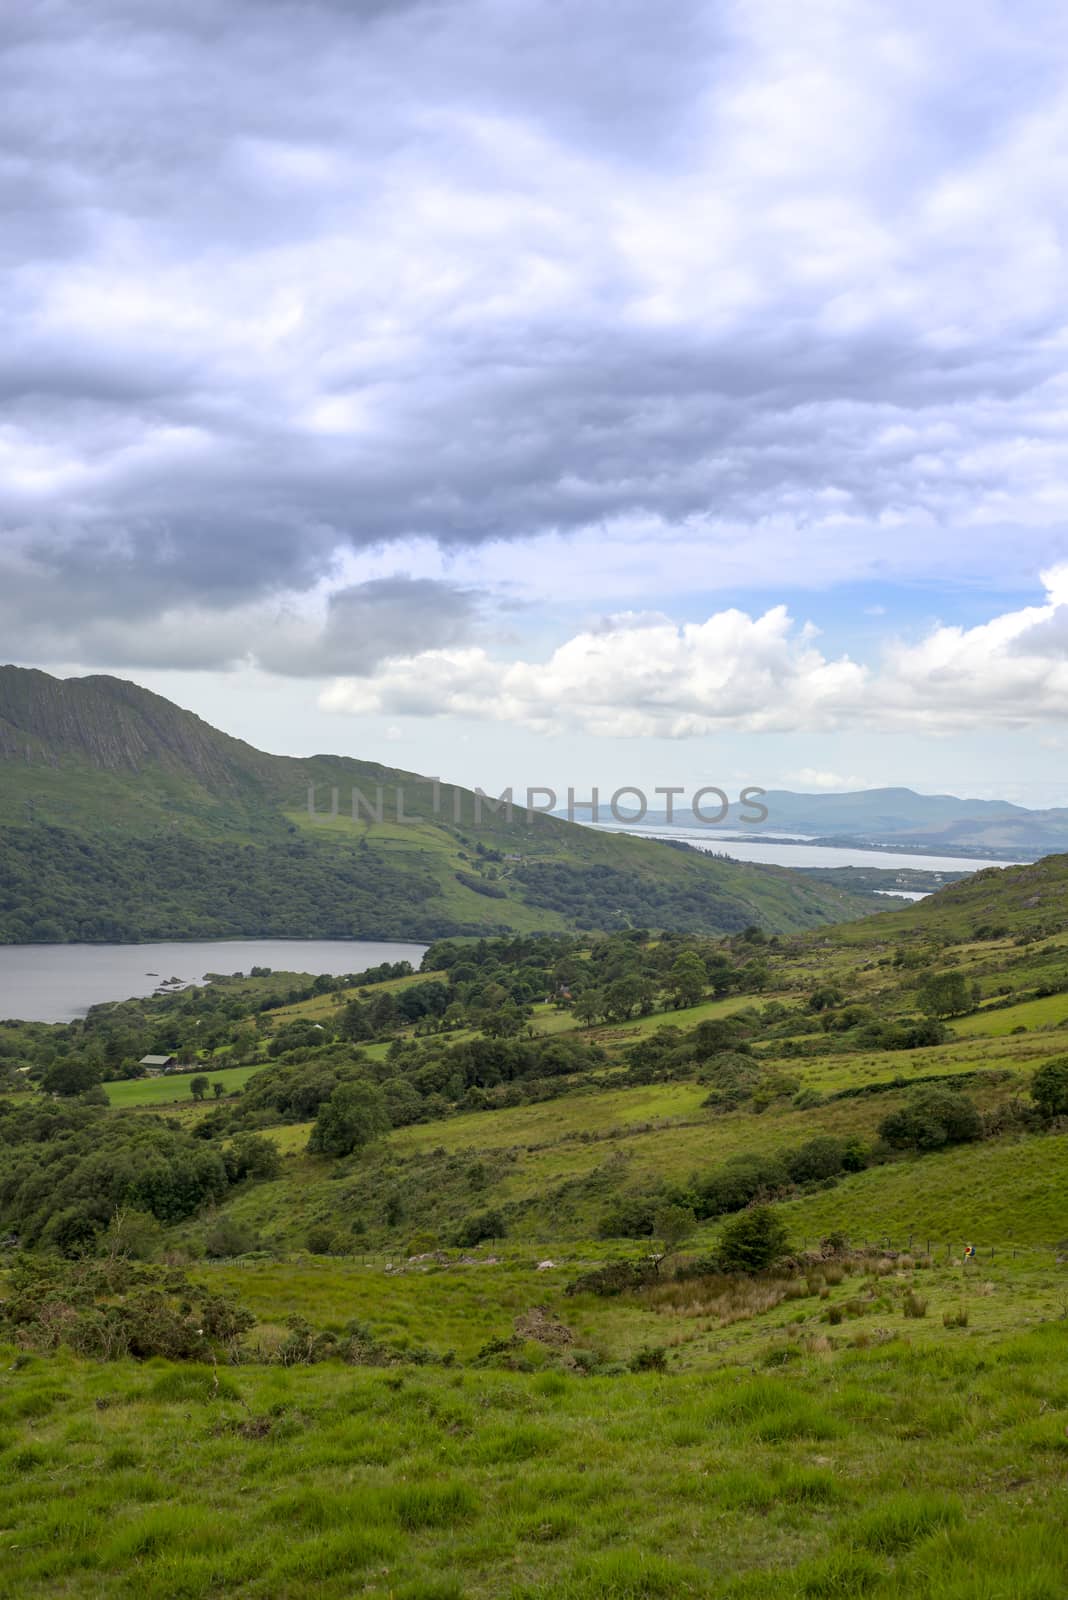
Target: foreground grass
904,1469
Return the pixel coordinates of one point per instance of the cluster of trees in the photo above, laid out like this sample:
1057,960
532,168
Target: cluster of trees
931,1117
64,886
231,1014
731,1187
612,898
65,1169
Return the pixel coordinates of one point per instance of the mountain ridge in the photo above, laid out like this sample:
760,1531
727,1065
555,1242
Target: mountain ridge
895,817
124,817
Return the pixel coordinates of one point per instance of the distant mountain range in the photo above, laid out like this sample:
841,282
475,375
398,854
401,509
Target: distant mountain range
125,818
898,818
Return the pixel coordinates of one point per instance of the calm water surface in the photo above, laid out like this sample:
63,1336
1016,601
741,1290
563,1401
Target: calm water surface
57,982
777,852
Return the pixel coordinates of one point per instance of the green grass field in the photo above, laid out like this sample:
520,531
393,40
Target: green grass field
779,1454
1049,1012
131,1093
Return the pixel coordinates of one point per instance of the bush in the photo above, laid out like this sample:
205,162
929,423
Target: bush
324,1240
737,1182
752,1241
479,1226
354,1115
228,1237
1049,1088
252,1156
615,1277
114,1308
915,1305
650,1358
930,1118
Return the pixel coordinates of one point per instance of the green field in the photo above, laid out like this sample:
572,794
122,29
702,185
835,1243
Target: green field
1049,1012
128,1093
775,1456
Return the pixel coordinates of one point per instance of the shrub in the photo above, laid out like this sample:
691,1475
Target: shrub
955,1319
650,1358
252,1156
479,1226
932,1117
228,1237
1049,1088
915,1305
354,1115
752,1241
615,1277
323,1239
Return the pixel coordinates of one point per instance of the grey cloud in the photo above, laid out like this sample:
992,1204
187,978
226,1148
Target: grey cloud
360,628
369,623
281,280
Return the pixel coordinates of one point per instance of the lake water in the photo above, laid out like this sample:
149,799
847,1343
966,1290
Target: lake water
779,853
58,982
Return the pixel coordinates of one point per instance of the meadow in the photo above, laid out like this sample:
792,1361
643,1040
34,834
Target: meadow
127,1094
825,1446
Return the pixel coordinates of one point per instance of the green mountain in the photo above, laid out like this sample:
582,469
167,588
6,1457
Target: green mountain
123,817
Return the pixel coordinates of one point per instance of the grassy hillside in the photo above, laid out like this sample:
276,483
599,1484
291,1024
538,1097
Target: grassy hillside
123,817
409,1417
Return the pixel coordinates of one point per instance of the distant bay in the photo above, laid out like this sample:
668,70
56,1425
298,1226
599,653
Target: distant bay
798,850
58,982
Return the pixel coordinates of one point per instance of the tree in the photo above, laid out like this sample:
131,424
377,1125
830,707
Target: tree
589,1006
252,1156
354,1115
944,994
71,1077
199,1086
134,1234
1049,1088
932,1117
687,979
823,999
752,1241
382,1013
355,1024
218,1089
720,973
624,996
672,1224
755,975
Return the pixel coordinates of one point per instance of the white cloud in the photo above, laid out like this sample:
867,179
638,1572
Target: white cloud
640,676
812,778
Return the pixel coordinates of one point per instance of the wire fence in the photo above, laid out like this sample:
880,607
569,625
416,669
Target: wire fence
559,1253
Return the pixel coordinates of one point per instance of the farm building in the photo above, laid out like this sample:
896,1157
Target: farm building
155,1065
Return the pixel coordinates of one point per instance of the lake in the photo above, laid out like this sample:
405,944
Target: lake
793,850
58,982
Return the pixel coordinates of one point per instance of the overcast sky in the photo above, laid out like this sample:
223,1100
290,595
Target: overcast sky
537,391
